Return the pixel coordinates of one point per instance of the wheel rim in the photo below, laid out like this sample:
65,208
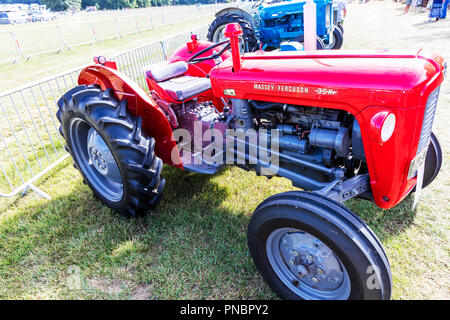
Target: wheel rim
96,160
306,265
219,36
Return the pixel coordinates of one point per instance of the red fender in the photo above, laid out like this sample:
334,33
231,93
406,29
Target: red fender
155,122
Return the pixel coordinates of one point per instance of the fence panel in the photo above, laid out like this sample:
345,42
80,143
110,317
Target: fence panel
39,40
77,33
104,28
8,50
86,28
30,143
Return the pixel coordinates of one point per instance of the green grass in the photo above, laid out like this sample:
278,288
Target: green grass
194,244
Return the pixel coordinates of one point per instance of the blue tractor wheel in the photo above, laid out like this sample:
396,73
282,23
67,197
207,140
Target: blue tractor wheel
320,43
215,31
336,39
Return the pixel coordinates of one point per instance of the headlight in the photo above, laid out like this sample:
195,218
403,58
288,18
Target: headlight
382,126
388,127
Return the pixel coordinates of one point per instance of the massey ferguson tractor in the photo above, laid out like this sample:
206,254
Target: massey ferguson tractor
338,124
267,24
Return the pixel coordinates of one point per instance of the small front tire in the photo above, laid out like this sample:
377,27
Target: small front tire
336,40
433,161
307,246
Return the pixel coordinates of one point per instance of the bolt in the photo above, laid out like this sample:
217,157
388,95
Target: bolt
302,270
291,262
295,253
314,280
319,271
309,258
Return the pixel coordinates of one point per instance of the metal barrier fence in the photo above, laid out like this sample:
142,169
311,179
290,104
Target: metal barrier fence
30,143
24,42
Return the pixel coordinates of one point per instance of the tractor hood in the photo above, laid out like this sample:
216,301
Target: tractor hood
350,80
280,9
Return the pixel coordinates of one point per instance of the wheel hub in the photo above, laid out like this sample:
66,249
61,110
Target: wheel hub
311,261
306,265
99,154
95,160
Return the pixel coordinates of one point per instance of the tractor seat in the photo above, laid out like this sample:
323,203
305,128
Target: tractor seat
169,76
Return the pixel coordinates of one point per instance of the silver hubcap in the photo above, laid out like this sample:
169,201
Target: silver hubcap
306,265
219,36
96,160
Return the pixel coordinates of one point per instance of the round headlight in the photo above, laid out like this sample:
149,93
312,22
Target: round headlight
388,127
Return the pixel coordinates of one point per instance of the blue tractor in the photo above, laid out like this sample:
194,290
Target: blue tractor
267,24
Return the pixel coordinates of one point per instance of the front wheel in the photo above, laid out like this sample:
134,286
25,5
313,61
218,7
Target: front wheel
320,45
335,41
307,246
433,160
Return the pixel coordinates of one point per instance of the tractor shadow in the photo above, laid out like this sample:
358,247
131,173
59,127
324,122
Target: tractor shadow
385,223
191,246
189,243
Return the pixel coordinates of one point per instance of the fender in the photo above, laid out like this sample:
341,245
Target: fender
154,123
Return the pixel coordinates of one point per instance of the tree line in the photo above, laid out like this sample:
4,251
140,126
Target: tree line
63,5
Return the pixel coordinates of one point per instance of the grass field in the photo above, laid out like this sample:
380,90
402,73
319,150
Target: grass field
194,244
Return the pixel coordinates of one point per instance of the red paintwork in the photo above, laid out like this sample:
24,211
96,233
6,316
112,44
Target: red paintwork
155,122
233,31
364,83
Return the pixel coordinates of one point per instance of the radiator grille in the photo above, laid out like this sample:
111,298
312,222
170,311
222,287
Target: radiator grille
428,118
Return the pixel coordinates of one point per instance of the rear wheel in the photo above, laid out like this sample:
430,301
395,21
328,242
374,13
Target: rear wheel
114,156
249,42
307,246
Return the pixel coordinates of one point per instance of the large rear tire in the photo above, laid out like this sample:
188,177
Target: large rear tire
307,246
215,31
115,157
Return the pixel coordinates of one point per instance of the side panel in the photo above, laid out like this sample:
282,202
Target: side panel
155,123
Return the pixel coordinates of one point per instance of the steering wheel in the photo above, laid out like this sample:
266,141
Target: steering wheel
195,58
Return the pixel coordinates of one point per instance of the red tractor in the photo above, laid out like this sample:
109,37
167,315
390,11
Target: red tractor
338,124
